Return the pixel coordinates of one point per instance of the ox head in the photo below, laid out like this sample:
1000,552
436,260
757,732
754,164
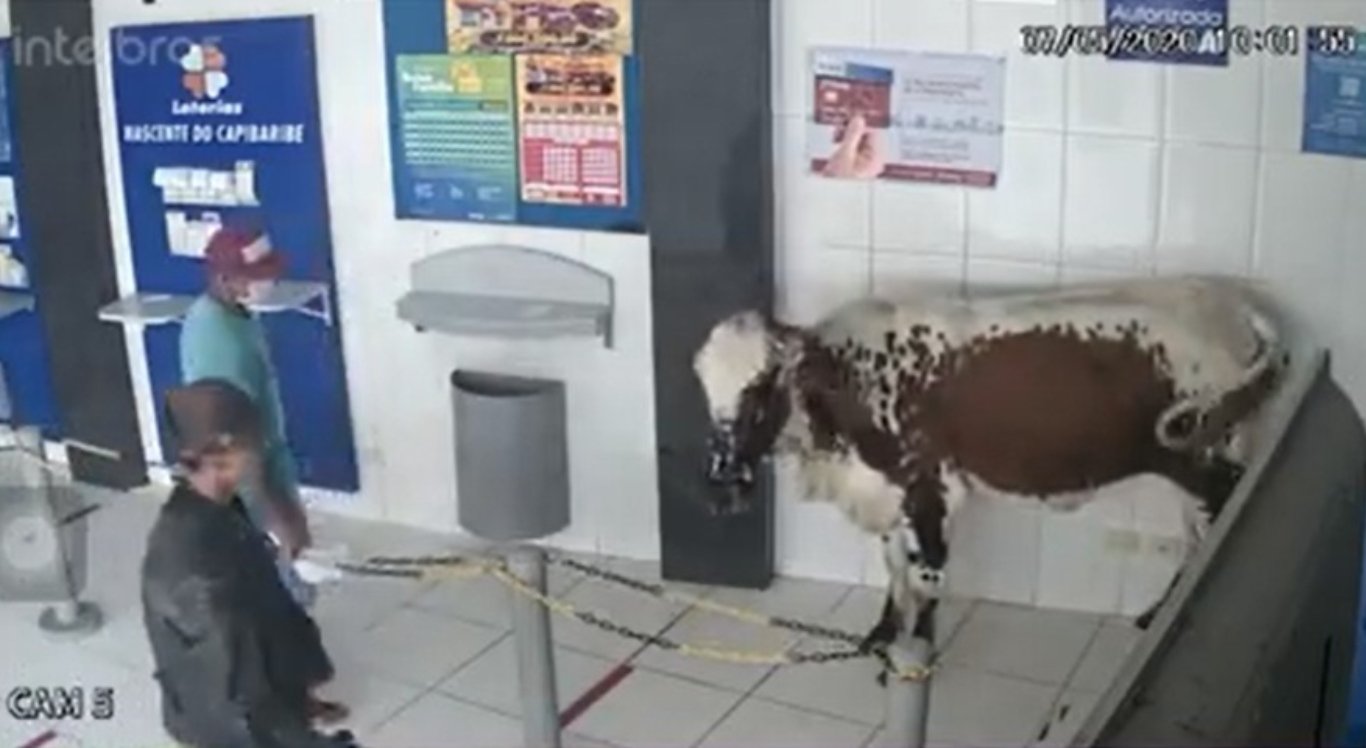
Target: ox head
743,369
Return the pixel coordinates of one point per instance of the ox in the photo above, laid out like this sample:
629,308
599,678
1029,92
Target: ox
898,412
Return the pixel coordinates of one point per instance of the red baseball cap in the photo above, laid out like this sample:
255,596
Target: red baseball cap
244,253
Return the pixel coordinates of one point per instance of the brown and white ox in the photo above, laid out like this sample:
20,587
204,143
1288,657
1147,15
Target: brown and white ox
898,412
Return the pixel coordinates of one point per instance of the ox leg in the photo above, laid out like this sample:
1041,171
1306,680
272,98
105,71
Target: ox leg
884,631
1210,482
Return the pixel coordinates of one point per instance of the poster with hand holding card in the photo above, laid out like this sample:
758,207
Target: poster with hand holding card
908,116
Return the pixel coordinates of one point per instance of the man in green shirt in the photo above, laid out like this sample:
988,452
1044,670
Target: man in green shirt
222,339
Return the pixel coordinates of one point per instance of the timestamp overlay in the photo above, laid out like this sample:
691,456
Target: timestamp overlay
1158,41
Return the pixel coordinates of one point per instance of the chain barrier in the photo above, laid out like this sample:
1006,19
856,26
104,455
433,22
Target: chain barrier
461,567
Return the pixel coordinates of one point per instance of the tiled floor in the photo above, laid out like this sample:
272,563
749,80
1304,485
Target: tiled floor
432,665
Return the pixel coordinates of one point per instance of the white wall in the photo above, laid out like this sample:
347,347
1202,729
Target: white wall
397,378
1109,169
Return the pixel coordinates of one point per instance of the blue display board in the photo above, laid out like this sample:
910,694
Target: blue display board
23,348
220,123
444,182
1335,94
1150,31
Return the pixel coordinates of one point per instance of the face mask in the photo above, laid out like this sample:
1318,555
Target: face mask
258,291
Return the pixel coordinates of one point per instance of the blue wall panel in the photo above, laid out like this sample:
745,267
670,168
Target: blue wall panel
23,351
271,81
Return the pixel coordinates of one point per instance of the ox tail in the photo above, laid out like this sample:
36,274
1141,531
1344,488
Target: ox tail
1199,422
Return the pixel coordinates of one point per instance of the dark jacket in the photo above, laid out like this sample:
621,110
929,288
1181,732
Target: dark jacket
235,655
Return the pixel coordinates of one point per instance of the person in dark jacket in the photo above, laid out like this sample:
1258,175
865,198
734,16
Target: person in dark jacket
235,654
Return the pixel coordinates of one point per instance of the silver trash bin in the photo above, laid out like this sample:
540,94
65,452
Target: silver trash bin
512,460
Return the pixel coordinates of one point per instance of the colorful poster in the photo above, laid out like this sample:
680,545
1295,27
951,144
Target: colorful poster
492,26
572,129
1183,32
907,116
1335,93
220,124
459,142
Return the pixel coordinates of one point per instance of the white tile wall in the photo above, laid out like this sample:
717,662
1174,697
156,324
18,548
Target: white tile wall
1109,169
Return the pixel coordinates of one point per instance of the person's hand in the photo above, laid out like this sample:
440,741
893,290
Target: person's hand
290,526
858,154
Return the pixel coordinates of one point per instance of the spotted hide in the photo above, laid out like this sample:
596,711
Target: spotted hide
897,412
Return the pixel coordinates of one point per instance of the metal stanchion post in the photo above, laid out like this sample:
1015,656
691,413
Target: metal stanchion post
535,657
71,617
908,701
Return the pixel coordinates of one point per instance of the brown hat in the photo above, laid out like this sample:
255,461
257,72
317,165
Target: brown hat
212,414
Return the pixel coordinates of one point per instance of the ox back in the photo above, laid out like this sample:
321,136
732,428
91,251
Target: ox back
1261,653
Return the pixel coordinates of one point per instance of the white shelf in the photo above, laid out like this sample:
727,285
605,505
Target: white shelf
161,309
508,292
147,309
297,296
14,302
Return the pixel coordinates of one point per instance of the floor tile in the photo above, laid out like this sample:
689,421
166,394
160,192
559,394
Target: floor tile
574,740
372,699
880,740
416,647
1066,718
621,606
124,639
983,709
648,710
645,571
846,689
54,663
491,679
706,629
1039,645
484,599
439,720
136,720
761,724
14,733
1108,652
792,598
804,600
360,602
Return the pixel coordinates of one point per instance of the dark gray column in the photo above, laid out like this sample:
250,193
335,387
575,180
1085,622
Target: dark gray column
57,129
709,211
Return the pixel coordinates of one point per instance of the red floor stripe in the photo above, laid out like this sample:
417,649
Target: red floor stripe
41,739
592,696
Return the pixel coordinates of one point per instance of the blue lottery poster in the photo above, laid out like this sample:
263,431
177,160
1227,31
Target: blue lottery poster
23,346
1335,95
458,136
223,126
1181,32
569,100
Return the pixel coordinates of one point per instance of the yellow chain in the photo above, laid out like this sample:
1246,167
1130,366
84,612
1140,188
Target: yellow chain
496,569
